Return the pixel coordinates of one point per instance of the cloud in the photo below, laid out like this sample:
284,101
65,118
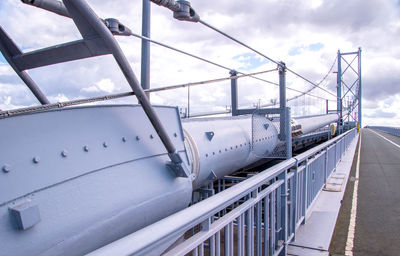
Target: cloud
304,34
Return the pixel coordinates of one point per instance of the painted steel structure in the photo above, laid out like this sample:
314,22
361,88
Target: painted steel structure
254,216
349,93
127,166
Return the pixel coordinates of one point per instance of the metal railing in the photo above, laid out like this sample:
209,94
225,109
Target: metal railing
254,216
391,130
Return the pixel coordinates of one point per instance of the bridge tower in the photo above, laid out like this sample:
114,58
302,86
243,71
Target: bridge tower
349,90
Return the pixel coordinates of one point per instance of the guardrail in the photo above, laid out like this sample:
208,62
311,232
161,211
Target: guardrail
256,216
391,130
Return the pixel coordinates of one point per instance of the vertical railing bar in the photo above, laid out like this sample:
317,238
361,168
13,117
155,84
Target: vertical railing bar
252,230
258,228
201,249
239,235
231,240
273,223
212,245
226,241
266,225
218,243
248,232
305,188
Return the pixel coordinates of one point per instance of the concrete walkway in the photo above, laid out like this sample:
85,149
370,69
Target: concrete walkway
314,237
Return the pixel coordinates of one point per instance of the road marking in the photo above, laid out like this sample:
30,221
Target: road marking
385,138
353,213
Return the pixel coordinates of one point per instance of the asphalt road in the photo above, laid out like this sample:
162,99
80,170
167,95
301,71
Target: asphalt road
377,229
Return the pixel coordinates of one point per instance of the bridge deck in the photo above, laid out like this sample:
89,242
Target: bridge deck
377,222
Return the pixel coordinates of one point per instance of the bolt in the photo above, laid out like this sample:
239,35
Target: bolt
86,148
105,144
124,139
36,159
175,135
151,136
137,138
64,153
6,168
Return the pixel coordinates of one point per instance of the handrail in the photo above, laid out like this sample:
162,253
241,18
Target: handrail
169,227
173,226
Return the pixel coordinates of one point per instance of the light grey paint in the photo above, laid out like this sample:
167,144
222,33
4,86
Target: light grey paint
86,198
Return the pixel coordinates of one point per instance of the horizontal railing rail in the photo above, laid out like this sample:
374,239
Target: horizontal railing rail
391,130
256,216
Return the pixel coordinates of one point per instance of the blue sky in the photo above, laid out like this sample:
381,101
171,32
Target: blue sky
304,34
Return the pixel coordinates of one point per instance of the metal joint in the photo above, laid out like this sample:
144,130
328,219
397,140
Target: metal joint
116,27
281,67
177,166
186,12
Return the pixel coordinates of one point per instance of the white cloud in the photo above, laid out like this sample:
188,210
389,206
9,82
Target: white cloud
272,27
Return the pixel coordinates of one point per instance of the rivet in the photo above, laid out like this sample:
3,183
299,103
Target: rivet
220,151
137,138
206,155
213,153
175,135
86,148
105,144
124,139
6,168
64,153
151,136
36,159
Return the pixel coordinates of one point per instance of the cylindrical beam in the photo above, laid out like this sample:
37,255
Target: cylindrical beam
282,98
123,63
339,92
288,131
55,6
234,93
145,61
5,40
359,88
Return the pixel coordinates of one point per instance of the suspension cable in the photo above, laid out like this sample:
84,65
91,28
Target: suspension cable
196,57
263,55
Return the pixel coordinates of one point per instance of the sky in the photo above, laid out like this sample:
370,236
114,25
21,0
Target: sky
305,34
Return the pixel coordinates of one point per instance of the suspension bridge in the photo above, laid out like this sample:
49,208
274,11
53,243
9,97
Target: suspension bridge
247,178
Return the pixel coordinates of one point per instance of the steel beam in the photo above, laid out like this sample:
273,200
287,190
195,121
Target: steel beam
359,88
234,93
145,61
80,10
282,98
9,49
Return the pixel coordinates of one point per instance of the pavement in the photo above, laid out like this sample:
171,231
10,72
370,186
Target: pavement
377,222
314,238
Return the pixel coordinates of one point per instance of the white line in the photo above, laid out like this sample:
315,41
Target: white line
385,138
353,213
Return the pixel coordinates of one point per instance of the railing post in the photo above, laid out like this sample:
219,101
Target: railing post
284,214
359,88
326,166
339,93
234,93
294,200
288,133
305,194
282,98
145,61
